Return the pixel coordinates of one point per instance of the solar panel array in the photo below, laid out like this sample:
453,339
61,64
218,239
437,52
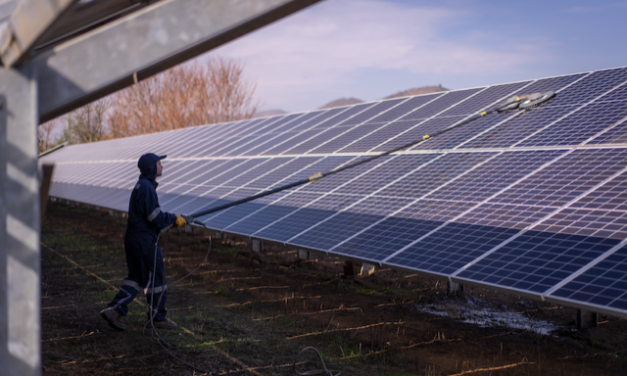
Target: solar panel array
530,202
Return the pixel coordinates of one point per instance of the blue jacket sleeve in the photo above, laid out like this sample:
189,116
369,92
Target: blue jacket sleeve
152,210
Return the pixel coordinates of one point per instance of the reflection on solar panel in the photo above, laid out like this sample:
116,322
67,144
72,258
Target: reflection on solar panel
532,202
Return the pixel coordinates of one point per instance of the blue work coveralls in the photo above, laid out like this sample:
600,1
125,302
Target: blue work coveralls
145,220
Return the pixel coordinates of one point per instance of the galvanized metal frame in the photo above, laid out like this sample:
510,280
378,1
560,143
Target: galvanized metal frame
144,43
19,225
30,22
59,55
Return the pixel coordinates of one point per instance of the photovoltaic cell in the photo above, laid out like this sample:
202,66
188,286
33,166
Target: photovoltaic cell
495,175
335,182
301,143
399,230
345,135
435,175
610,196
441,104
225,173
322,165
591,86
385,174
405,108
536,260
505,215
451,247
550,84
517,128
200,201
485,98
509,133
247,142
289,167
338,228
217,147
618,95
310,146
175,174
371,140
461,136
516,200
599,223
305,217
270,140
417,132
373,111
566,178
604,284
223,196
580,126
272,212
348,135
285,140
263,167
315,144
224,219
615,135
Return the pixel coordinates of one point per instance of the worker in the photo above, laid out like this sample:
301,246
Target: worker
145,221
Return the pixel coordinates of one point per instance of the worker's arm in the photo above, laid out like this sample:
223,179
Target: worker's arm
152,210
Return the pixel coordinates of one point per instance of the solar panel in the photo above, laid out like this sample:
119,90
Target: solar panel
527,201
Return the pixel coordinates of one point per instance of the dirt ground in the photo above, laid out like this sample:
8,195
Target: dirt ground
244,313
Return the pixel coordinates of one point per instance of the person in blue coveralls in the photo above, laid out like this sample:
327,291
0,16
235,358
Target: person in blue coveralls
145,221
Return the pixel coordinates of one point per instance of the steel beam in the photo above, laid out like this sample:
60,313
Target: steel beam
6,9
144,43
30,22
19,225
84,16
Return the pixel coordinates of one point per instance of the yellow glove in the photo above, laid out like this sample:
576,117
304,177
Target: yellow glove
180,221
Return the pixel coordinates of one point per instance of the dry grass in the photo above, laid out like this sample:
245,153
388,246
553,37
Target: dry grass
247,319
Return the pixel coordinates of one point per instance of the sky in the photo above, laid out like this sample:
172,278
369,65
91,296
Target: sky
369,49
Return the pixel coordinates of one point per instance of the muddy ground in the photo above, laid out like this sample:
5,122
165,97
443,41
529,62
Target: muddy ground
242,314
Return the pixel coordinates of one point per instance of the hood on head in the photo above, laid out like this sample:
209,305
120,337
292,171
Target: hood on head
148,165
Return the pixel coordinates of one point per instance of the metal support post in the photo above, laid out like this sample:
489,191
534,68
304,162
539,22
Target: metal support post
453,287
256,243
303,254
366,269
20,332
586,319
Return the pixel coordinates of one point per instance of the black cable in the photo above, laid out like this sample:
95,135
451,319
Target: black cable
325,370
160,340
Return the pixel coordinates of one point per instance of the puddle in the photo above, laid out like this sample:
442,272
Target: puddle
488,316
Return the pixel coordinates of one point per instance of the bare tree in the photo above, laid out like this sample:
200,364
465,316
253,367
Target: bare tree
231,96
87,123
186,95
45,133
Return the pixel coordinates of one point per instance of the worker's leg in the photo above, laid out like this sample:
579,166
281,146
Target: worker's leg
131,285
157,294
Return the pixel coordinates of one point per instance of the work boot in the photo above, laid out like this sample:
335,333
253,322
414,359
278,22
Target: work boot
165,324
113,318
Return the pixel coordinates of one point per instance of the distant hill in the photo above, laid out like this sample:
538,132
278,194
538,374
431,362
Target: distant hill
417,91
341,102
267,113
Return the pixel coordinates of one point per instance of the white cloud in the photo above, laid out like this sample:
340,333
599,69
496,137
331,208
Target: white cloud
322,46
